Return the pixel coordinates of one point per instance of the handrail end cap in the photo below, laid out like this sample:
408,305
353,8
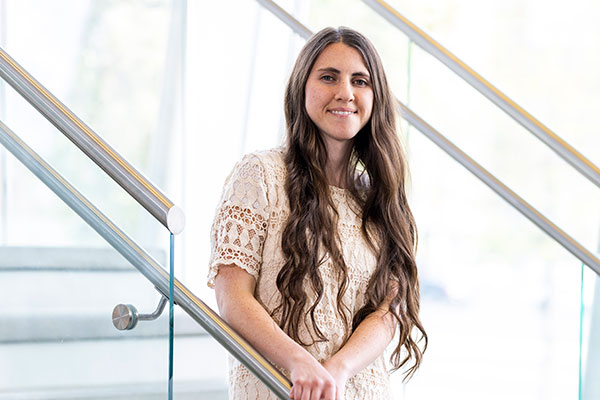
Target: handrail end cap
175,220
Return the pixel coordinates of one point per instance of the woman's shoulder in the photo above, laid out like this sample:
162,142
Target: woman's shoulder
270,162
269,157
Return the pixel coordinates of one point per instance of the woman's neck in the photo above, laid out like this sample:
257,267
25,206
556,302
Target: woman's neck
336,169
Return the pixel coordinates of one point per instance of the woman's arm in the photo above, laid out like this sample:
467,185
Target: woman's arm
365,345
235,298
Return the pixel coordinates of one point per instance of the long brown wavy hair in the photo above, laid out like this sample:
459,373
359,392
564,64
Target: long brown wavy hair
376,177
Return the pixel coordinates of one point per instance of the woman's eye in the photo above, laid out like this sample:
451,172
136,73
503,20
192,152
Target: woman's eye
361,82
327,78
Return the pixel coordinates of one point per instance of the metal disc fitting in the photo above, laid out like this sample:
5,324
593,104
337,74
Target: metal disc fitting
124,317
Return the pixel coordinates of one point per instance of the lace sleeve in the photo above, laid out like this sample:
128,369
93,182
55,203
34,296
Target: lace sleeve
240,226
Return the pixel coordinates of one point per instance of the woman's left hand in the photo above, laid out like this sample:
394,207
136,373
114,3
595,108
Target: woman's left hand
339,373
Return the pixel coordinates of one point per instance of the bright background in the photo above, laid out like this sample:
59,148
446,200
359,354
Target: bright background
184,90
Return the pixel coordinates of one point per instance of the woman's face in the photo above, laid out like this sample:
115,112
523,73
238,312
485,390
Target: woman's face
339,95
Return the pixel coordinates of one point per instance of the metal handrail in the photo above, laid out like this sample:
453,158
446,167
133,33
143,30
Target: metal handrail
148,266
570,244
144,192
542,132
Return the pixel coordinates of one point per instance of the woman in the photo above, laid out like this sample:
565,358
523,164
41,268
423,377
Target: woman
313,256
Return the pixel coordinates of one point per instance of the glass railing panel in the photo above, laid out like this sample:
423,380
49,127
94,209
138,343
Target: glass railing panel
43,307
57,339
200,362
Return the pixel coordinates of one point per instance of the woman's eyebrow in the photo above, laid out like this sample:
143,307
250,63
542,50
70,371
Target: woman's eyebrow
362,74
329,69
337,71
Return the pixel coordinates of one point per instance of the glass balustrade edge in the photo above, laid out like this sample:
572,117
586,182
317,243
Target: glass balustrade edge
542,132
90,143
147,266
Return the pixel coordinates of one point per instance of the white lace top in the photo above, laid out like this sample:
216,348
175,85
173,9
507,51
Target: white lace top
247,232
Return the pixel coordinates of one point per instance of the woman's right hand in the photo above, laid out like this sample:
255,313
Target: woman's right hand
237,305
310,380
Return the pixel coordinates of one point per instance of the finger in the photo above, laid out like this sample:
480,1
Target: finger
292,392
329,392
305,392
316,393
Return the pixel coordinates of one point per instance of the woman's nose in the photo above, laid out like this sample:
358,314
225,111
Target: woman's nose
345,91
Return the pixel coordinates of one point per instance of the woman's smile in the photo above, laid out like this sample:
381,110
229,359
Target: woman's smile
342,112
